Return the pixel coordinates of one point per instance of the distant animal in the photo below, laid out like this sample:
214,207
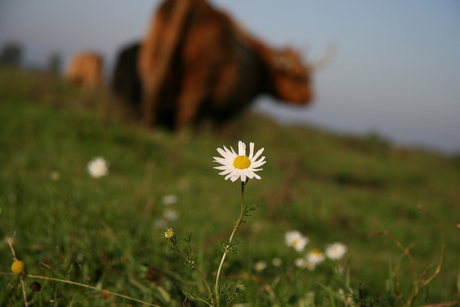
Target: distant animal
196,63
85,69
126,84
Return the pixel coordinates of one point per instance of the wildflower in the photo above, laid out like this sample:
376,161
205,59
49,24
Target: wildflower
169,233
296,240
239,165
170,215
169,199
260,266
300,263
277,261
98,167
314,258
18,267
336,251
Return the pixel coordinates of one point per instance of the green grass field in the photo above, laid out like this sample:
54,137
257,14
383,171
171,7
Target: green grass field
107,232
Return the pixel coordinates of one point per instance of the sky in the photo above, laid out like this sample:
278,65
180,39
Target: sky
396,73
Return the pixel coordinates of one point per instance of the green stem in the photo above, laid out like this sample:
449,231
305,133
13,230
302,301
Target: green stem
196,268
238,222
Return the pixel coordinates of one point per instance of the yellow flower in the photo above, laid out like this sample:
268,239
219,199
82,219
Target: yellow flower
18,267
239,165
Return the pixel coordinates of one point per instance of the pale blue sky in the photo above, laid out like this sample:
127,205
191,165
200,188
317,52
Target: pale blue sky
396,73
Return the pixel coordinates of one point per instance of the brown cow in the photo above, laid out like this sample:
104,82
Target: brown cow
85,69
196,62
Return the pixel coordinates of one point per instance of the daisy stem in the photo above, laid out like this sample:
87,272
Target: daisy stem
227,248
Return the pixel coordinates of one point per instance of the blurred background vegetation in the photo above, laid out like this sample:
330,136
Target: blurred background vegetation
106,232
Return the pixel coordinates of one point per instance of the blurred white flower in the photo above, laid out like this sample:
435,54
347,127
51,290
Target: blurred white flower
277,261
260,266
98,167
170,215
296,240
159,223
169,199
300,263
314,257
55,176
336,251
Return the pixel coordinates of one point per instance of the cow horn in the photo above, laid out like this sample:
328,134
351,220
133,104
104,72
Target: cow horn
325,59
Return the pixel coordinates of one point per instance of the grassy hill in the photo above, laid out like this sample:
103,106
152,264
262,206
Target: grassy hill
107,232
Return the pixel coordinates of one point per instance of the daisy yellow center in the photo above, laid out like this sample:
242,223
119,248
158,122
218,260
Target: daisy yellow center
241,162
316,251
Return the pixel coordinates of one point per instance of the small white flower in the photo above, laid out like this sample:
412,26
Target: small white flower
260,266
336,251
277,261
296,240
169,199
98,167
300,263
170,215
239,165
314,257
169,233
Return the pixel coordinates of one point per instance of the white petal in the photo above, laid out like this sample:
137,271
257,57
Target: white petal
225,172
249,173
222,167
257,164
232,173
228,154
241,148
221,160
258,154
251,150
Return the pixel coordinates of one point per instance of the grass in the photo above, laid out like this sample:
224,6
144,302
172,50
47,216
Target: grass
101,232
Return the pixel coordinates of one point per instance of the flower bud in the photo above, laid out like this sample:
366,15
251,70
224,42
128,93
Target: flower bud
35,286
18,267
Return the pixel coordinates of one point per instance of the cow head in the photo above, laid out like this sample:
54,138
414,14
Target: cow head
291,77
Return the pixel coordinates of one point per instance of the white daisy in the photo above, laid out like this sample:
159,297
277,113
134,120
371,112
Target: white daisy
239,165
260,266
98,167
296,240
314,257
169,199
300,263
277,261
336,251
170,215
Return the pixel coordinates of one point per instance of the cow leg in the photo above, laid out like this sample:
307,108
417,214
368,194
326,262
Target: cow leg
149,107
194,91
